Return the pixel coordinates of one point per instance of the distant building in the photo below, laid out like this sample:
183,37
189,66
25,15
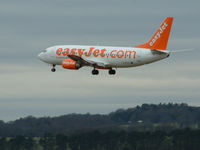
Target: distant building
139,121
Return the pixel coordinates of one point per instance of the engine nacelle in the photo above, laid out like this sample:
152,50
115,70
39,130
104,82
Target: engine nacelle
71,64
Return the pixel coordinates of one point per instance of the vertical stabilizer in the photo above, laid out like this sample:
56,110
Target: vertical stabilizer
159,40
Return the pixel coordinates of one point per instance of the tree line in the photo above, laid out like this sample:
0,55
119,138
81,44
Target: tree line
185,139
147,117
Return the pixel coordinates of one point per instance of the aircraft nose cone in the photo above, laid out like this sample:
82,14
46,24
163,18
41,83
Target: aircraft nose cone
40,56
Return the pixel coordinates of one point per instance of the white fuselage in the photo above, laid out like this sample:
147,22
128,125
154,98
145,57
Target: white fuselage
115,57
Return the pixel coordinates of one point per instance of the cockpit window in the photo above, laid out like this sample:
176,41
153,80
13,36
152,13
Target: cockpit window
45,51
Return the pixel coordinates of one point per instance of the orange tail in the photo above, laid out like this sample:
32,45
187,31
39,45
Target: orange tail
160,39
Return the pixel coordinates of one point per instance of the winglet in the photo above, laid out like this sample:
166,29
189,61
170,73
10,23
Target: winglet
160,39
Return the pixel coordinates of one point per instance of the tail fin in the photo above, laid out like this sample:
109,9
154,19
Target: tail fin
160,39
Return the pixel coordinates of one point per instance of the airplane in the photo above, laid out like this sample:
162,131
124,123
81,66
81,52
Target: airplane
106,57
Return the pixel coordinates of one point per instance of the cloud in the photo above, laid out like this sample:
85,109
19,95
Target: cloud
34,81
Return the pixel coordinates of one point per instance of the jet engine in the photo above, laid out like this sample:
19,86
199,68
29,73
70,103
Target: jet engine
71,64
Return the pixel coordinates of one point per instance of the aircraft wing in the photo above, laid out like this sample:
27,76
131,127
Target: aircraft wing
87,62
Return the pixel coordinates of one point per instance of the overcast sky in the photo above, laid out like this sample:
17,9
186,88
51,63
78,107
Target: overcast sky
27,87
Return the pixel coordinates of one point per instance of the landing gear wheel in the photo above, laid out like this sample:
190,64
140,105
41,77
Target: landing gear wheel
53,69
95,72
112,72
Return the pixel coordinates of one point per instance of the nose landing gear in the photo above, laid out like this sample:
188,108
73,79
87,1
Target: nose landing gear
53,69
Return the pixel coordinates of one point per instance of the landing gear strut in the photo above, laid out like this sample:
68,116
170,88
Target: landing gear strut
95,72
53,69
112,72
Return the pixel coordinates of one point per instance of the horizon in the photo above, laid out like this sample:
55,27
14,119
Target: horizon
106,113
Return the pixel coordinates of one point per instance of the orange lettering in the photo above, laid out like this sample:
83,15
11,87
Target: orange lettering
120,55
111,53
59,51
134,54
80,52
66,51
90,52
96,52
130,54
73,51
103,52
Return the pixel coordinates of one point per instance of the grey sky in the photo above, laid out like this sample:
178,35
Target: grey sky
27,87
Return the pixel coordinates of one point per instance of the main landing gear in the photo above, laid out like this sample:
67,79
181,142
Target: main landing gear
53,69
96,72
112,72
